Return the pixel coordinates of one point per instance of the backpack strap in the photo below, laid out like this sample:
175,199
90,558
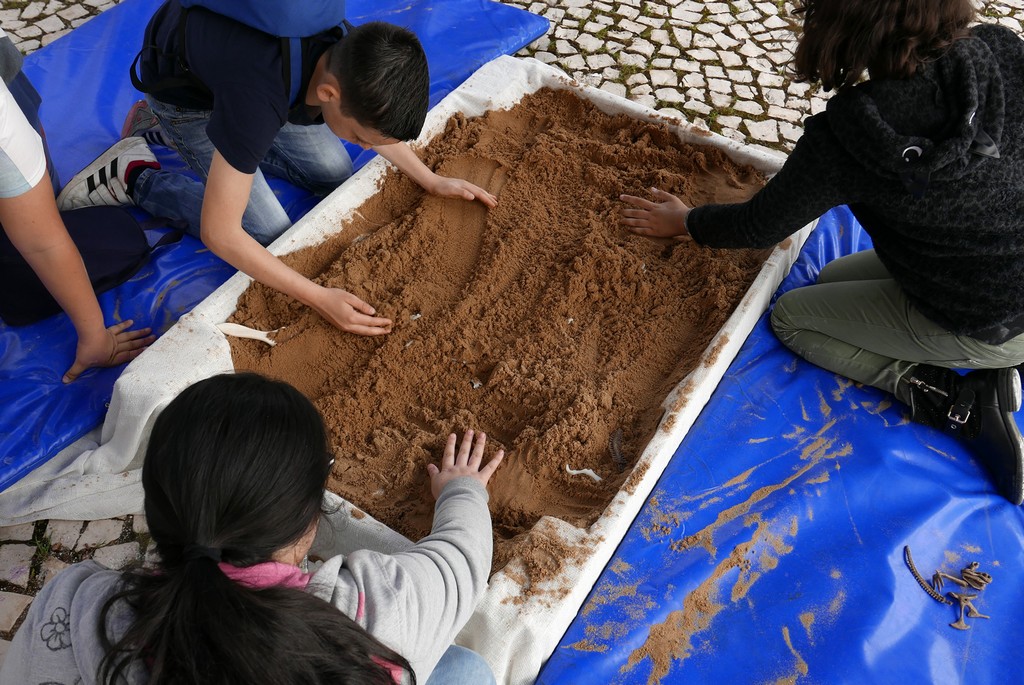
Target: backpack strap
185,79
291,61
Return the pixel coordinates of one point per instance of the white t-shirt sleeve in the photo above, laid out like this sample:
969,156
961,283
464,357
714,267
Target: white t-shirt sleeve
22,158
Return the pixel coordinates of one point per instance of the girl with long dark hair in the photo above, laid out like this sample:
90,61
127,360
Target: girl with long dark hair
928,152
234,479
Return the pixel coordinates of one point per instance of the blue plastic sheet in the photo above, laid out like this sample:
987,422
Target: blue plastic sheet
83,80
771,549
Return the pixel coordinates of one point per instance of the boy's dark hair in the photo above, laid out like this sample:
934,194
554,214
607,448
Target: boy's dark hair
385,83
843,38
235,469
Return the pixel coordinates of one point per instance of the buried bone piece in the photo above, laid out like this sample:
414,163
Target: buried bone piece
239,331
970,577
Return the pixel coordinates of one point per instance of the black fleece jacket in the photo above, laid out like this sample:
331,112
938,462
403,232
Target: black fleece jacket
932,167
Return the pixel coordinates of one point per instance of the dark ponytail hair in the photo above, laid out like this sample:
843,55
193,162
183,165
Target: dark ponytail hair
235,470
841,39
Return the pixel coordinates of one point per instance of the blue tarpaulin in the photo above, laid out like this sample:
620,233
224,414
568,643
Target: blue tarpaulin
771,550
83,80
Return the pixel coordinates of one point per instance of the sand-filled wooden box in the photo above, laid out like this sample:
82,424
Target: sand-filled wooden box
549,565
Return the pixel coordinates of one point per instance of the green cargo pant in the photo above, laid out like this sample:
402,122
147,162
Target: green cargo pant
857,322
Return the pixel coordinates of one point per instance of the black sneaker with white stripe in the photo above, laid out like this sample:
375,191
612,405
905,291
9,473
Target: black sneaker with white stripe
106,180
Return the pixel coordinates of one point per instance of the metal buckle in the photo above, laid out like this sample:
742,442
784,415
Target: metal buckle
955,418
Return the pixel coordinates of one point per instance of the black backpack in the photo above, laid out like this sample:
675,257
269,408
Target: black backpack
113,246
291,21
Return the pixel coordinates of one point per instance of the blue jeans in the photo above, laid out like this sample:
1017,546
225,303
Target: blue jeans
461,666
310,157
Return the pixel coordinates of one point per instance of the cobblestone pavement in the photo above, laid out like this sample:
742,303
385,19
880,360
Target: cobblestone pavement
721,65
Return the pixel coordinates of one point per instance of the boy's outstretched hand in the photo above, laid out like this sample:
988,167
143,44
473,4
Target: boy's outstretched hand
347,312
115,346
465,463
445,186
665,217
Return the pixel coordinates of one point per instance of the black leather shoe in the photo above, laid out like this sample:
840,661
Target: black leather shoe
998,442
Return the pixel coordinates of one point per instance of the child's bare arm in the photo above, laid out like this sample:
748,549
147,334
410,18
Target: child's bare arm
402,156
227,194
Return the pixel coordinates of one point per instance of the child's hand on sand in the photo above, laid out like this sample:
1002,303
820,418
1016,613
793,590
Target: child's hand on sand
665,217
445,186
466,463
347,312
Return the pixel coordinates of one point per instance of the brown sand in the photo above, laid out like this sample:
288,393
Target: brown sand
542,321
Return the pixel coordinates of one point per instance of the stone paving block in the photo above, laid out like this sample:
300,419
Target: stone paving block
664,77
766,131
573,62
12,605
789,131
709,29
600,61
725,42
636,79
631,59
614,88
117,557
645,100
20,533
721,100
738,32
51,24
669,51
50,568
72,12
751,49
589,43
745,92
627,12
730,58
30,31
729,122
139,524
33,10
644,47
661,37
631,26
784,114
100,533
669,95
4,646
697,106
718,85
684,37
63,534
653,22
50,37
748,107
16,563
702,55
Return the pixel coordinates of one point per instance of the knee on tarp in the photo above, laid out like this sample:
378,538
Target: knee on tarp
113,247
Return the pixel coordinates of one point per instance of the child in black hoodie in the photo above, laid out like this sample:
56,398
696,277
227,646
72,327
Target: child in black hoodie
928,153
